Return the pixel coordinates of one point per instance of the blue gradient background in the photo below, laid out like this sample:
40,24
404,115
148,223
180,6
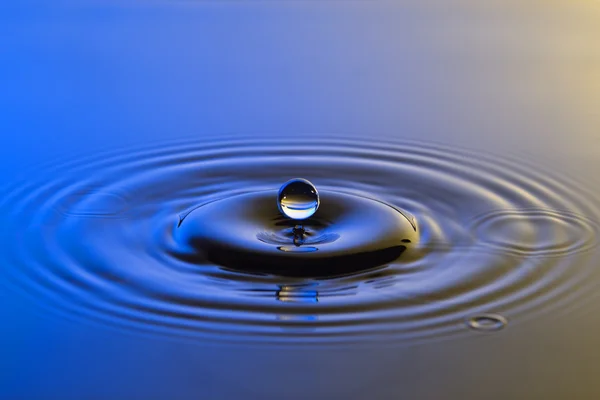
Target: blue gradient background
521,77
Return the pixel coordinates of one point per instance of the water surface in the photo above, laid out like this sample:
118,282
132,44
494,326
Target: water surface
479,120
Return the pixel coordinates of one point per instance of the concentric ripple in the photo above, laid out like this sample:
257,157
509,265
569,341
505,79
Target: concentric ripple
93,240
536,232
248,233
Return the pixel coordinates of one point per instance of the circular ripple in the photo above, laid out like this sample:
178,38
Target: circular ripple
248,232
94,240
536,232
487,322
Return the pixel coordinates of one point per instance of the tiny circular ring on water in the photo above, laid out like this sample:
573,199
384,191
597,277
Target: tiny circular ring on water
487,322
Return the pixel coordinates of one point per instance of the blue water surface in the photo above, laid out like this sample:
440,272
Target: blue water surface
82,82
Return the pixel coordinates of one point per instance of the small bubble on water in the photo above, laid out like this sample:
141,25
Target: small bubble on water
487,322
298,199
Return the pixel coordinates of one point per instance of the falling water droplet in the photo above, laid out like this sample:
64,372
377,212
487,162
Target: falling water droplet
298,199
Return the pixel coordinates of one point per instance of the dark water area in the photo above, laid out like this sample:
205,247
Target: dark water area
454,252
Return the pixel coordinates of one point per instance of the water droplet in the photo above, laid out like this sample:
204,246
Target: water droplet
487,322
298,199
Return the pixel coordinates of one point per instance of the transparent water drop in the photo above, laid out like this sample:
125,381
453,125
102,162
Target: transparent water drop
298,199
